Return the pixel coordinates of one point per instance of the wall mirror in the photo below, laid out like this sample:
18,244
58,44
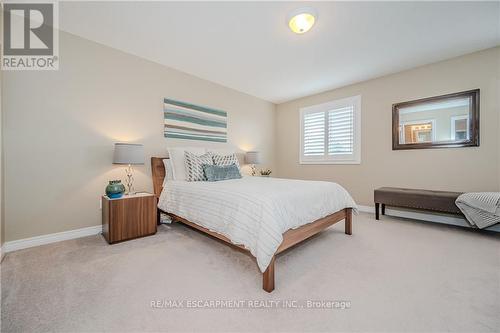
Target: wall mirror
437,122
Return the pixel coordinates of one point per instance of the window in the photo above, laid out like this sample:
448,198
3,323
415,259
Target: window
331,132
460,127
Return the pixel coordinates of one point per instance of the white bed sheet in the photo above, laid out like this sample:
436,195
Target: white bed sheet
254,211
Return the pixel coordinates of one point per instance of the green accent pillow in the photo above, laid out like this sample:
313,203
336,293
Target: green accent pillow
215,173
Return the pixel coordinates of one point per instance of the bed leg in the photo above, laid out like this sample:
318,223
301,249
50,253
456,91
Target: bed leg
157,212
268,277
348,221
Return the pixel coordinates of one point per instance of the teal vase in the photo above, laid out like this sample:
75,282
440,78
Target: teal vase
115,189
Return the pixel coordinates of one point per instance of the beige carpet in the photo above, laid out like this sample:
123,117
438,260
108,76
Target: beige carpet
398,275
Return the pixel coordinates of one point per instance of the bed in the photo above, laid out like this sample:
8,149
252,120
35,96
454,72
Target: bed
264,216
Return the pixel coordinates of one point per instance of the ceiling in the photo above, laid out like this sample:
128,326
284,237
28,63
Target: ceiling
247,46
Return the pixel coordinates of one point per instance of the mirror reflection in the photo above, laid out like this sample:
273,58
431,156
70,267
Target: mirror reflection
433,122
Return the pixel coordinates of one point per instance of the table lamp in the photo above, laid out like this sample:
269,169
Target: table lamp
129,154
252,157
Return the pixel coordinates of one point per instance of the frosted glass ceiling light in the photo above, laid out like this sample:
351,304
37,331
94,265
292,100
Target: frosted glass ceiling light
301,20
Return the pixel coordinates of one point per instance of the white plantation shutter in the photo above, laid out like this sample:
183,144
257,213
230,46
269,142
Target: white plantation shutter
314,134
341,131
330,132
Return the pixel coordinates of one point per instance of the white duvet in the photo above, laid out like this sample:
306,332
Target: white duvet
254,211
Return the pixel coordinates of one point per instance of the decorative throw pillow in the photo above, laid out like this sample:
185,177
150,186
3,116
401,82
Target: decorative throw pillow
215,173
226,160
176,155
194,166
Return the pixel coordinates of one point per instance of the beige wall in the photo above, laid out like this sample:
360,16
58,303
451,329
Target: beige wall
2,220
60,127
463,169
497,103
2,211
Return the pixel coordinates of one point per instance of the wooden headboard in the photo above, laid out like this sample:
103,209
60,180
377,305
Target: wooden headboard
158,170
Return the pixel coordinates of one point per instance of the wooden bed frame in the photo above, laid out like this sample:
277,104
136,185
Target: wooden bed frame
290,238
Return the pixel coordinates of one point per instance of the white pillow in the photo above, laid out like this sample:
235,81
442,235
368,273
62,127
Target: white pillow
168,171
177,157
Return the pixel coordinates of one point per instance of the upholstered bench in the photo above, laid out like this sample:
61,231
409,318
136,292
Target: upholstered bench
437,201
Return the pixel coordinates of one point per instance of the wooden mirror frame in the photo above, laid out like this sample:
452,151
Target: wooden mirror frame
473,122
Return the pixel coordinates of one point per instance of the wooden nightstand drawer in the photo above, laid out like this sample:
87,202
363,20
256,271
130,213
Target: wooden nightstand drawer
128,217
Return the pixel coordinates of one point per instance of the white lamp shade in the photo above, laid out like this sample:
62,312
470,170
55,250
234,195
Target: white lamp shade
128,153
252,157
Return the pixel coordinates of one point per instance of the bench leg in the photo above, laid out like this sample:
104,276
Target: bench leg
376,211
268,277
383,209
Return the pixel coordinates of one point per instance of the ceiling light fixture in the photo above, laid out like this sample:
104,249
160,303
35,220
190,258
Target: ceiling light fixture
301,20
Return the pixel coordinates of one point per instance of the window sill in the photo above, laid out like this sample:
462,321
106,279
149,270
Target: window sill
329,162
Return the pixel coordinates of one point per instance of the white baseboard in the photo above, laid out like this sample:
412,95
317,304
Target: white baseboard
419,216
429,217
50,238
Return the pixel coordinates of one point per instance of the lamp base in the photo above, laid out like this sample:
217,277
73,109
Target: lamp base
254,170
129,182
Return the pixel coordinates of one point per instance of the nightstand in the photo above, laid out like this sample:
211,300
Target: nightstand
128,217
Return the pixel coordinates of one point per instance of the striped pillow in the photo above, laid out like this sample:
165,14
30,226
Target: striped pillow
225,160
194,166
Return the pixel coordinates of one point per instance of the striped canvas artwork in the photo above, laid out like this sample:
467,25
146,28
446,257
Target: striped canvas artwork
193,122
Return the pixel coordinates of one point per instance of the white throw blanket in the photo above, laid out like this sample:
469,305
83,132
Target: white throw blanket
482,209
254,211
